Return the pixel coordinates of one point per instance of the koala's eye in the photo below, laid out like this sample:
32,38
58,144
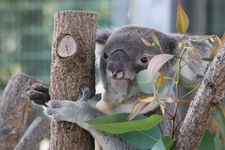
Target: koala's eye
105,55
144,60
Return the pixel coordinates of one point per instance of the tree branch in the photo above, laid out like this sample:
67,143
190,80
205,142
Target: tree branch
209,95
14,110
34,134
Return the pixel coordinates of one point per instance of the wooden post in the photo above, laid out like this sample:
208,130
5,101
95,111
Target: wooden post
14,110
72,65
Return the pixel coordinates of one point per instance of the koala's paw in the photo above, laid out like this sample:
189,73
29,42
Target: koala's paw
39,94
60,110
86,94
76,112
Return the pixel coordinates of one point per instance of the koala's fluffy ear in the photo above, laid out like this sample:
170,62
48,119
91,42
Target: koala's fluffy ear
102,37
171,44
101,40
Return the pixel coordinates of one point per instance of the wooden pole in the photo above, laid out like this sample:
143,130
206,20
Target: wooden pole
14,110
72,65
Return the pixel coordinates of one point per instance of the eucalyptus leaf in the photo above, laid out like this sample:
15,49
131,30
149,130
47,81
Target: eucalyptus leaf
117,123
220,119
143,84
207,141
142,139
218,142
146,43
164,143
155,65
155,39
182,19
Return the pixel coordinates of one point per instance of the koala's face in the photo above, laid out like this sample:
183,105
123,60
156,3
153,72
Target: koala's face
124,54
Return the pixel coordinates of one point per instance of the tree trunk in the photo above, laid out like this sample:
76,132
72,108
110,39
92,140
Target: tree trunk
33,135
14,110
72,65
209,95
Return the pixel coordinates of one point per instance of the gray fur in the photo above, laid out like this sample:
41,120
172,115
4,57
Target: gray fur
128,39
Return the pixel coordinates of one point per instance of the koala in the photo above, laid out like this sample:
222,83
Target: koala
122,56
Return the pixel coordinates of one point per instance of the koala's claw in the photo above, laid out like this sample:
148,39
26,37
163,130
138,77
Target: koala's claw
97,97
49,111
86,94
54,104
54,110
38,93
40,87
56,118
53,116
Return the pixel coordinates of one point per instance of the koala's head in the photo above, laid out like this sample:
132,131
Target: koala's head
124,54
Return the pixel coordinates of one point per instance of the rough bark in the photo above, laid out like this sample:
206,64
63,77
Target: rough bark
209,95
33,135
72,65
14,110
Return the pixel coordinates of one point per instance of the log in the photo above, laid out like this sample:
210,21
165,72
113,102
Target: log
14,110
209,95
72,65
33,135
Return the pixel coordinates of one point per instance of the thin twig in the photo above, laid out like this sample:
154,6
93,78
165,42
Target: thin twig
177,90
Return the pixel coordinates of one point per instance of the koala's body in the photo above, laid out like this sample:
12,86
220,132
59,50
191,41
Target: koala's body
122,56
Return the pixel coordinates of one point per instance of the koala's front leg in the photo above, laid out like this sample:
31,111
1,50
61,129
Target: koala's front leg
77,112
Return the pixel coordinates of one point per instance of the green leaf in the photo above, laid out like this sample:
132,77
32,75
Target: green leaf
218,142
164,143
219,117
142,139
207,141
207,59
117,123
143,84
188,84
155,39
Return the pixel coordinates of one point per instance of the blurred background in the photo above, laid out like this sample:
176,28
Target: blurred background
26,26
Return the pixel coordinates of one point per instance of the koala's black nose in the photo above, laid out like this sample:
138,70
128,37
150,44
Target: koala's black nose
116,64
115,71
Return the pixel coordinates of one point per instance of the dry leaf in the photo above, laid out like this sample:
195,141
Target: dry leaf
147,100
146,43
140,105
160,79
182,19
155,64
219,43
173,101
170,100
162,108
195,55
